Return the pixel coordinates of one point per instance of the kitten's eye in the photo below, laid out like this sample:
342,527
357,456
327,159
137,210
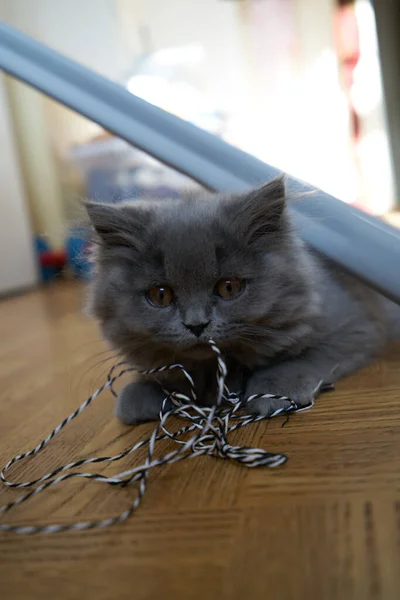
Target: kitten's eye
229,288
161,296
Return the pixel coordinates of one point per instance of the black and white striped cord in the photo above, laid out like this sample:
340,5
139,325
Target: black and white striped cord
210,427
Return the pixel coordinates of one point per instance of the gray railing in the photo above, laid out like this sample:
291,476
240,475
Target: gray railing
364,246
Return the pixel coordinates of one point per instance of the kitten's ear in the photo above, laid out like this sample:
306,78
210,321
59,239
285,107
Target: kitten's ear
119,225
261,211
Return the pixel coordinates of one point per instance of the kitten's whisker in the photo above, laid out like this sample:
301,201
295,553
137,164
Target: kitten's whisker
99,363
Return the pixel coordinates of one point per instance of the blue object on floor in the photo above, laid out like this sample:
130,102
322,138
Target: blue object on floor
78,256
47,273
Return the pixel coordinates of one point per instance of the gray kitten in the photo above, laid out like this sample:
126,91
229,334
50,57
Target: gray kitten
172,274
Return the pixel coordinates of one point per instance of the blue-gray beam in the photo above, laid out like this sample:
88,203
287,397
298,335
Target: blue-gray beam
364,246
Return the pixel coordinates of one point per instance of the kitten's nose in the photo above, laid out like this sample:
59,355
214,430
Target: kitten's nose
196,328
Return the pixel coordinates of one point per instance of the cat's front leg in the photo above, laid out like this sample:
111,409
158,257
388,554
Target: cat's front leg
140,401
299,379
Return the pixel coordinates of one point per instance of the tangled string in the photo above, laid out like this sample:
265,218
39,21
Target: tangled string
209,427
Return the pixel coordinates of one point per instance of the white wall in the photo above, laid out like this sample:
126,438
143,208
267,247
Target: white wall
272,66
297,117
84,30
17,262
212,24
41,181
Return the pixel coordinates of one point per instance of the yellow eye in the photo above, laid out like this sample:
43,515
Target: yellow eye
229,288
161,296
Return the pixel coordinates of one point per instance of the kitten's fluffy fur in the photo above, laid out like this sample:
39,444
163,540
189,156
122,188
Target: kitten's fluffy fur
298,320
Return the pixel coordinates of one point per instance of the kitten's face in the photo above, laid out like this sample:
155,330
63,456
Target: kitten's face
171,275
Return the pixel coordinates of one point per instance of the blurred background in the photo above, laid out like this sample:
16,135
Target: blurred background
310,86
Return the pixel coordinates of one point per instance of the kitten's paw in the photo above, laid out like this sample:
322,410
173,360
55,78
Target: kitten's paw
139,402
297,388
267,406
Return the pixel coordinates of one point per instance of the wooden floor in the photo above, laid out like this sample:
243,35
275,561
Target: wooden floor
324,526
